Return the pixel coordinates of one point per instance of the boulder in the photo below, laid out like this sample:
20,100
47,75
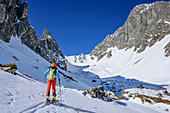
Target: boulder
9,70
97,92
112,95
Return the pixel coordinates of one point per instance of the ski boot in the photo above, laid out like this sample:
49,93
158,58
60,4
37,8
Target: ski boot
53,99
47,100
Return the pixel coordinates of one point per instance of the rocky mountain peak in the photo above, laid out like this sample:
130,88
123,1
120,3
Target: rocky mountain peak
81,55
81,58
46,34
10,3
14,22
145,25
46,31
50,46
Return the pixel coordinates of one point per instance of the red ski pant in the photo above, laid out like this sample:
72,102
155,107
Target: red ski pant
49,82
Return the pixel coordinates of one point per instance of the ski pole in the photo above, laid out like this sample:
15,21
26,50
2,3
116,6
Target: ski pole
60,91
44,82
45,78
60,95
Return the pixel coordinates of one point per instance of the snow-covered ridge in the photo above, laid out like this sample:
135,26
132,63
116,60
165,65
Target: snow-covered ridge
150,65
81,60
145,25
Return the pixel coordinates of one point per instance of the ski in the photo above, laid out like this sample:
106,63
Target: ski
46,102
53,100
58,96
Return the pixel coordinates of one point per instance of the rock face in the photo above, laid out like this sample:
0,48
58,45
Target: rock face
145,25
14,21
81,58
97,92
48,45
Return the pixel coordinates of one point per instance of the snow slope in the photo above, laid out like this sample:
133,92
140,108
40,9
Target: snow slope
20,94
24,95
30,63
150,92
150,65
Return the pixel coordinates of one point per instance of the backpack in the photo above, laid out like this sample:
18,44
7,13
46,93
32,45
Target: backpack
52,74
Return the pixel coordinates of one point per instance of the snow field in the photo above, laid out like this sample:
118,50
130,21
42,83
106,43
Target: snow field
24,95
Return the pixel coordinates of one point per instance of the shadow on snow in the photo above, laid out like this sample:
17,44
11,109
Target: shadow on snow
117,83
42,106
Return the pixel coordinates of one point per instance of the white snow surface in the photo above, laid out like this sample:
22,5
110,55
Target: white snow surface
167,22
26,59
150,92
20,94
150,66
30,63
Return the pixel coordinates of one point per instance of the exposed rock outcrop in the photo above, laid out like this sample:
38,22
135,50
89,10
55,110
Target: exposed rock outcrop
97,92
145,25
14,22
50,46
81,58
167,50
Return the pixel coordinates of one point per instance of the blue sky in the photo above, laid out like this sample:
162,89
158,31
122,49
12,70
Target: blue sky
79,25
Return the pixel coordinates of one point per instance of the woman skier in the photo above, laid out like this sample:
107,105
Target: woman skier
51,79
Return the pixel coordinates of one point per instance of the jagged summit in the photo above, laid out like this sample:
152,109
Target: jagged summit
139,49
145,25
14,22
46,34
